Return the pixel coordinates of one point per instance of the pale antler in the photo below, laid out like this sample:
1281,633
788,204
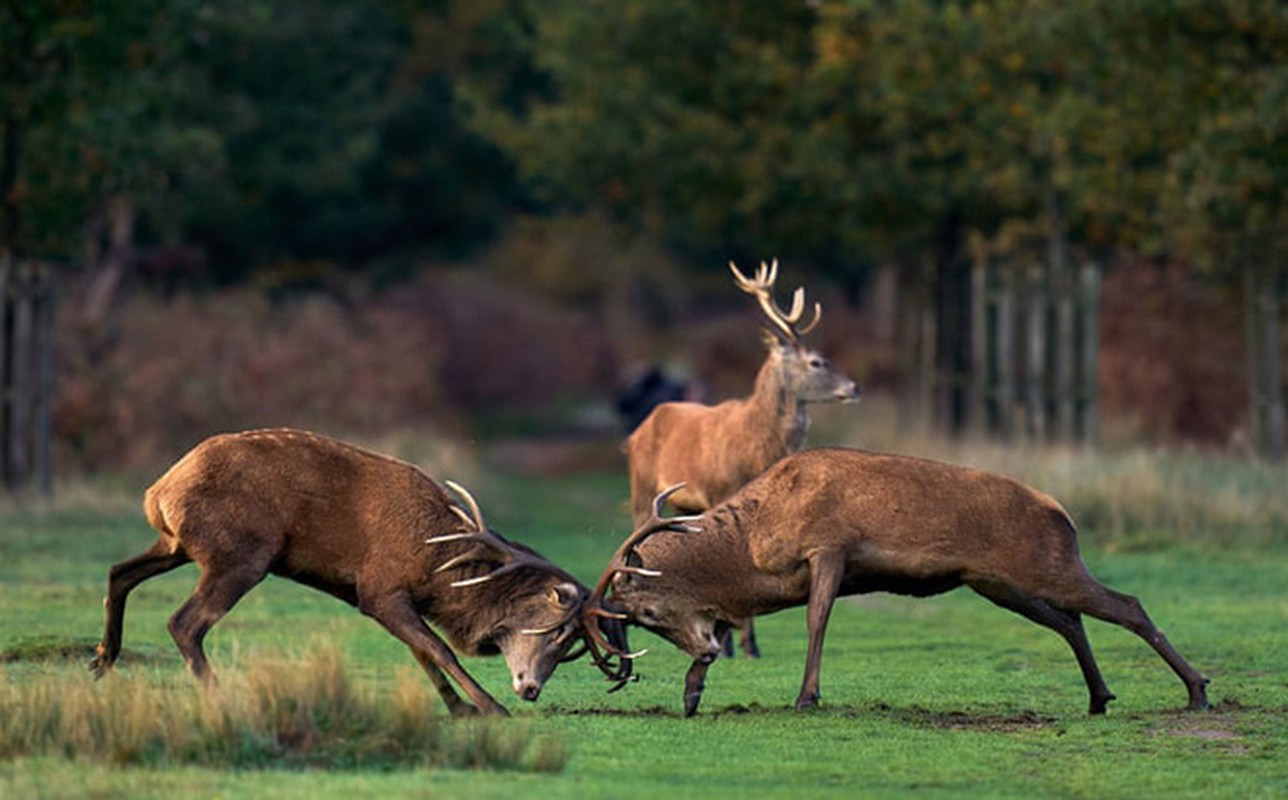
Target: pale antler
762,288
513,559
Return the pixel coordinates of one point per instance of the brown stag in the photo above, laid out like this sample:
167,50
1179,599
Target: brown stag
833,522
715,450
373,531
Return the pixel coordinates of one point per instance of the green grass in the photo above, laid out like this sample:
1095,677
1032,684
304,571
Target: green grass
948,696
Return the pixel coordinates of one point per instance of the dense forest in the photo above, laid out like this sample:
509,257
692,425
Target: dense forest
197,145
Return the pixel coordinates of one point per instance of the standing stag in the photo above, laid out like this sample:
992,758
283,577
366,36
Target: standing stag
373,531
833,522
715,450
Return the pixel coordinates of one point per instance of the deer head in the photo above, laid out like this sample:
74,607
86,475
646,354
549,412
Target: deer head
803,373
532,653
622,569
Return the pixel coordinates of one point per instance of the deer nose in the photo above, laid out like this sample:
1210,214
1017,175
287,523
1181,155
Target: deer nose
849,393
526,688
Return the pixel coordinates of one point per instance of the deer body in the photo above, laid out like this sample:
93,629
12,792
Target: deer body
355,525
833,522
715,450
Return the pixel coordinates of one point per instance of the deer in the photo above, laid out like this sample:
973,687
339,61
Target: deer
373,531
715,450
832,522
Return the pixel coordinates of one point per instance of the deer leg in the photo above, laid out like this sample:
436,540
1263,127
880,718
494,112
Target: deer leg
694,683
215,595
400,618
825,572
695,678
455,705
1123,609
1066,623
749,646
122,578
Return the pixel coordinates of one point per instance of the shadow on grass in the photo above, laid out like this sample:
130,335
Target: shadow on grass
1218,722
45,649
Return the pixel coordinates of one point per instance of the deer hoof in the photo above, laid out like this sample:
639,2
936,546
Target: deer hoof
806,702
1098,704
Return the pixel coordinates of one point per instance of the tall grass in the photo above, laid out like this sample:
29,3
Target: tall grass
306,712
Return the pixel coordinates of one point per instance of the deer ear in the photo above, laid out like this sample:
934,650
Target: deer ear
562,595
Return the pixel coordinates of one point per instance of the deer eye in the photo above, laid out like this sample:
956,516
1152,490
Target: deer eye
817,363
648,616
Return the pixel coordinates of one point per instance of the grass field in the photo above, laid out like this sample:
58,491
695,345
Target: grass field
948,696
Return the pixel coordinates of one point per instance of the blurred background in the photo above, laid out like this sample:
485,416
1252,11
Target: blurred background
492,223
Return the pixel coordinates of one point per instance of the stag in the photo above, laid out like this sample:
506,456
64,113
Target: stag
715,450
834,522
373,531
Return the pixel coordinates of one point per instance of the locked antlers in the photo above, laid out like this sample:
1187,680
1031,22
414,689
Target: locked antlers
597,607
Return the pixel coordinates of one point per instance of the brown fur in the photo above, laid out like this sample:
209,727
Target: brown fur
716,450
832,522
353,524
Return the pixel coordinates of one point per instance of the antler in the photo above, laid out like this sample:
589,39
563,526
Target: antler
511,557
762,287
602,650
476,530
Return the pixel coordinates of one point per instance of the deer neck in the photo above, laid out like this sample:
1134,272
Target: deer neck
776,409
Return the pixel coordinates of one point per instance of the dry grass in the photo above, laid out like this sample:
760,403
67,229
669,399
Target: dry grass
275,712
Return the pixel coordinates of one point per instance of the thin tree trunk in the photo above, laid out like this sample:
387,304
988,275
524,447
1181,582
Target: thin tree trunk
1035,355
1265,360
1090,377
20,383
1005,356
42,429
976,413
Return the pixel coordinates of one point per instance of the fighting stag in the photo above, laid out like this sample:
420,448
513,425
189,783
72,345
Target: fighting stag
373,531
833,522
715,450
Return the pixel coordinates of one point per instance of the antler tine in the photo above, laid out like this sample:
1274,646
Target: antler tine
601,649
477,531
762,289
465,495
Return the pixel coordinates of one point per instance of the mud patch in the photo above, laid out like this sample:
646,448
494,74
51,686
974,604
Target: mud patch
1023,720
47,649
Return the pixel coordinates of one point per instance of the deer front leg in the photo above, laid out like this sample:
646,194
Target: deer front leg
400,618
695,678
825,572
694,683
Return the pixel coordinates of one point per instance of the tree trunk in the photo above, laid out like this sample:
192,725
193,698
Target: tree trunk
1265,375
1035,356
1004,356
1090,372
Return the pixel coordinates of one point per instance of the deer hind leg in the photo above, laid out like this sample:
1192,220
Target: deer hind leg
216,593
1123,609
122,578
1066,623
400,618
825,572
747,639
